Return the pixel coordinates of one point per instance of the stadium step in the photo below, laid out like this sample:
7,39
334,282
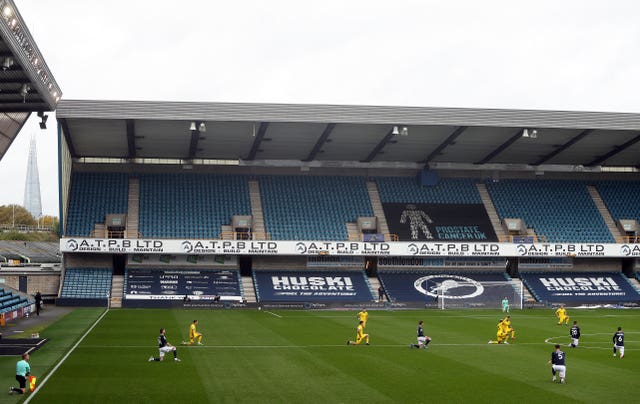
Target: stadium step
255,198
133,208
352,231
376,205
99,231
117,288
248,289
374,283
635,283
606,215
491,211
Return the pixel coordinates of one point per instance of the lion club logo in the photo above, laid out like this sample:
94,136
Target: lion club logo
451,286
72,245
187,246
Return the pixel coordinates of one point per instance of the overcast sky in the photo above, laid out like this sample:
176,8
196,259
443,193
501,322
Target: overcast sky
562,55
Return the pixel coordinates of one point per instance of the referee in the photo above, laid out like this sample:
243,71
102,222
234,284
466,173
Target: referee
23,370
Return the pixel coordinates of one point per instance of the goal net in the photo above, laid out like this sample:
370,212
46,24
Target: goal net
460,294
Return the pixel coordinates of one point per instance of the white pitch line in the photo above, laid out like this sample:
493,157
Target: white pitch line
293,346
273,314
65,357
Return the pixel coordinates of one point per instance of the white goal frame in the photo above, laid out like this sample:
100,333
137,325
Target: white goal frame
516,299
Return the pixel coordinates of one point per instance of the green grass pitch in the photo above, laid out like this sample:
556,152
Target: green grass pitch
301,357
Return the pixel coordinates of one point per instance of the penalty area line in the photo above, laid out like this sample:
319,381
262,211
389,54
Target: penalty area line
65,357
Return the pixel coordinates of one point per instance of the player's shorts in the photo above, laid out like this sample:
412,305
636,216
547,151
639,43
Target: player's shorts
620,349
561,369
422,340
575,341
22,380
166,349
360,339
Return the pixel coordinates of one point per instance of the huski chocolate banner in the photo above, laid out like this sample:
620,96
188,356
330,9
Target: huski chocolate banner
587,287
439,222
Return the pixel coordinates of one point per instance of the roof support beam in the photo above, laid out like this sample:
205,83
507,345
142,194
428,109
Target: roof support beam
262,130
195,137
562,148
131,138
501,148
448,141
320,142
67,136
376,150
614,151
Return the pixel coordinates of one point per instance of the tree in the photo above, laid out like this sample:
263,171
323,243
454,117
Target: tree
11,215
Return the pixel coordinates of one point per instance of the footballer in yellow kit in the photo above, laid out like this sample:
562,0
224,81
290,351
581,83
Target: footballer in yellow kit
561,313
360,335
506,327
501,335
193,334
363,316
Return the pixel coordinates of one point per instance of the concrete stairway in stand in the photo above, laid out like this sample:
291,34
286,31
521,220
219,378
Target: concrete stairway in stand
248,289
133,209
374,283
378,211
255,198
606,215
352,232
491,211
117,291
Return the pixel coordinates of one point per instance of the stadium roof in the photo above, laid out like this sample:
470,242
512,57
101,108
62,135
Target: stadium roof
363,134
26,83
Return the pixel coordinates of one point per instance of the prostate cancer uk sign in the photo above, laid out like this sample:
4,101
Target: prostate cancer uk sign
598,287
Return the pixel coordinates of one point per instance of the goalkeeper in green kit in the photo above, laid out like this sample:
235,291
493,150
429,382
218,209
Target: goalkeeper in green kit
505,305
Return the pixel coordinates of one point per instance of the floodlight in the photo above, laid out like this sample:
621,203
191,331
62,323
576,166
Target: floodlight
202,127
7,63
24,91
530,133
7,11
395,131
43,120
192,127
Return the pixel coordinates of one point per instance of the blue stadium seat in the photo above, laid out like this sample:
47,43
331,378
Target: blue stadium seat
561,211
312,207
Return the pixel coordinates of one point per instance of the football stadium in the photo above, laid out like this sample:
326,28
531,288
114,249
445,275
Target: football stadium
278,229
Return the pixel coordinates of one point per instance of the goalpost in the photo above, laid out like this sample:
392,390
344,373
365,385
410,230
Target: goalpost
489,295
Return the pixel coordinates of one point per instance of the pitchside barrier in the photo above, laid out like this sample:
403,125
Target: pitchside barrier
164,287
325,286
581,287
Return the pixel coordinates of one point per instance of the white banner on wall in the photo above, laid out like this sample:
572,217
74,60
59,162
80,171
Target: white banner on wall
345,248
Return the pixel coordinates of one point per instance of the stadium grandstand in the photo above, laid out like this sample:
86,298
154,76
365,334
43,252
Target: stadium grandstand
27,87
178,204
238,205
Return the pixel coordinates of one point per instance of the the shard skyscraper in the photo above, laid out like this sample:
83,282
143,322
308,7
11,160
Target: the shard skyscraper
32,201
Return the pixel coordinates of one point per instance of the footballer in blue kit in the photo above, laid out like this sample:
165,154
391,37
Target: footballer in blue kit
558,365
618,342
574,333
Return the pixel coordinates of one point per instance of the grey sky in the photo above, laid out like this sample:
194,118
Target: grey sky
567,55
